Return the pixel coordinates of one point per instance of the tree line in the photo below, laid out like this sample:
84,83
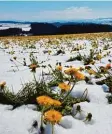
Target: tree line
51,29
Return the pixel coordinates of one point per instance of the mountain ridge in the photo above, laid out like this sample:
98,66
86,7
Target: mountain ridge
98,20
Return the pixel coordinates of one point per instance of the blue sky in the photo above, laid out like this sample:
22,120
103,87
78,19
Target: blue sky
54,10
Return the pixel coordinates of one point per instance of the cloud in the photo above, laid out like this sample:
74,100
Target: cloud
66,14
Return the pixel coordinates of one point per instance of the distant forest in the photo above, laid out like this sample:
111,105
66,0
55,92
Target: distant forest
52,29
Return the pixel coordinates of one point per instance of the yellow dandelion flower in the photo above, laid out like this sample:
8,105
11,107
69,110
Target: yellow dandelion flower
71,71
91,71
79,76
59,68
33,67
56,103
44,100
99,56
108,66
52,116
64,86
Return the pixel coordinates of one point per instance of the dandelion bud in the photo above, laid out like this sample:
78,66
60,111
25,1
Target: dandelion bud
89,117
2,84
33,67
14,57
78,108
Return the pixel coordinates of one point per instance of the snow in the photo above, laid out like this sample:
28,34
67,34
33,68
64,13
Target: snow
100,124
24,27
95,93
20,120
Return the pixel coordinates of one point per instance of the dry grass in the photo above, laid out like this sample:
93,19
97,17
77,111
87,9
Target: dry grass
80,36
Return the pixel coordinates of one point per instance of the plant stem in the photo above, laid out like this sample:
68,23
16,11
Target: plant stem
35,79
52,128
16,65
85,91
65,98
42,117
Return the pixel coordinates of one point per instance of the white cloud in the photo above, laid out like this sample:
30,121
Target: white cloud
66,14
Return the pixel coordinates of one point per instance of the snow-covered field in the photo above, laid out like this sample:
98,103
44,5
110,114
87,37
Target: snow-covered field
19,121
24,27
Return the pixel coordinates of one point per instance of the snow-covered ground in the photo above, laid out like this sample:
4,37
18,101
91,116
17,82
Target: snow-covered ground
24,27
19,121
